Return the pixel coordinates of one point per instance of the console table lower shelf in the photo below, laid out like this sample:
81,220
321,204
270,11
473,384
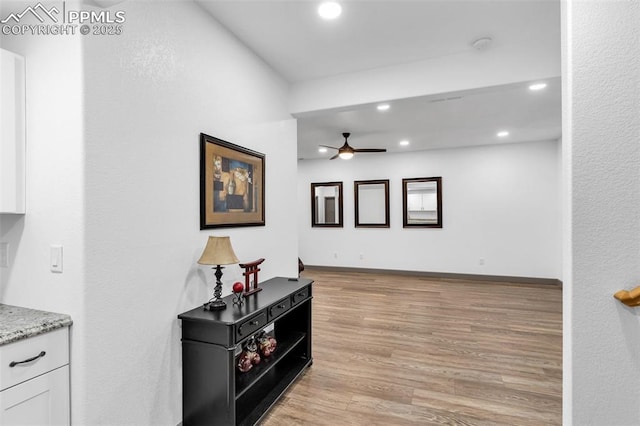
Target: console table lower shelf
214,391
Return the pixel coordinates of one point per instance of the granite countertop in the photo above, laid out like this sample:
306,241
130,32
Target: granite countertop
17,323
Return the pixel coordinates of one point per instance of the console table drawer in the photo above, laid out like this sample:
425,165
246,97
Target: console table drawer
249,326
299,296
279,308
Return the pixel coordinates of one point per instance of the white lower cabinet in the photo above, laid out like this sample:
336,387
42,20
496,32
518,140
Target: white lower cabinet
43,400
34,380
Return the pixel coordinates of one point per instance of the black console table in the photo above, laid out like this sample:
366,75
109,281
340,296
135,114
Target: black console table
214,392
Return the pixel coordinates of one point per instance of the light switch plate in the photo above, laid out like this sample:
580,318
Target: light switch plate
56,258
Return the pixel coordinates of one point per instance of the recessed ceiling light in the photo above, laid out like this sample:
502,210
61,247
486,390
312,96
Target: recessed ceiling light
538,86
323,150
383,107
404,143
329,10
502,134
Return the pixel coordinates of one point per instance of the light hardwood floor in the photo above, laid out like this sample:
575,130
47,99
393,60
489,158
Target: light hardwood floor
407,350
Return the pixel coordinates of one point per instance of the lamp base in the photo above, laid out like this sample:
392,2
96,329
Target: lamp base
216,305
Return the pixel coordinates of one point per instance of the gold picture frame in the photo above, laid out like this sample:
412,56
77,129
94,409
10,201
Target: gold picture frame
232,185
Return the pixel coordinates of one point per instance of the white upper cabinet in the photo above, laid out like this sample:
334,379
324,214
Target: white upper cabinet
12,133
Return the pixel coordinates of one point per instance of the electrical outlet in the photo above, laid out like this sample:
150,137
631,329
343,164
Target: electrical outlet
361,256
335,255
4,255
481,261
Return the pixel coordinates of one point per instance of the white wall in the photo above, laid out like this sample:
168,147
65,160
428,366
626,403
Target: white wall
54,189
440,75
601,73
500,203
173,74
113,148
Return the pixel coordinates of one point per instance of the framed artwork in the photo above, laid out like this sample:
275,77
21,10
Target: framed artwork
232,183
371,203
326,205
422,202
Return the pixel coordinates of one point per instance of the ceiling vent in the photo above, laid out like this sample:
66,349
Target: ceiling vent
482,43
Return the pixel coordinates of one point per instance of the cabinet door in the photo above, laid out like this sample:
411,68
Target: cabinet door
43,400
12,133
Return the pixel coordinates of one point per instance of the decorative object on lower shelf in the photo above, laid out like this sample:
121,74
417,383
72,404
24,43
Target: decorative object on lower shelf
249,356
244,363
266,344
251,276
238,288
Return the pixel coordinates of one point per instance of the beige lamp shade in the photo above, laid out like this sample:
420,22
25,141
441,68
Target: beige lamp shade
218,252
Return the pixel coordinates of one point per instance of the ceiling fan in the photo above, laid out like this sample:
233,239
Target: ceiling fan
346,151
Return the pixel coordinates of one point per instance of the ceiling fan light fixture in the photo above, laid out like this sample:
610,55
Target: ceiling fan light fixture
329,10
346,152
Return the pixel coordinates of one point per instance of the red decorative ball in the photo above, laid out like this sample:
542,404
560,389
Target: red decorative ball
238,287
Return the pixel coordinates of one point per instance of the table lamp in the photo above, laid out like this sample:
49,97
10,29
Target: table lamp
217,252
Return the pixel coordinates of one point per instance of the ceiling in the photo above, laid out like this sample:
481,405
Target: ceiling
370,34
469,118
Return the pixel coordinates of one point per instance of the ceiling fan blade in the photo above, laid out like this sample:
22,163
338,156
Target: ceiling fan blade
327,146
369,150
334,157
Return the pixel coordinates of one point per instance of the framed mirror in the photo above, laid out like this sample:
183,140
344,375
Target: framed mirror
326,204
371,203
422,202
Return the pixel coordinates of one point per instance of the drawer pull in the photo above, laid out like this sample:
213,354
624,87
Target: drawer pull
301,294
282,306
40,355
254,323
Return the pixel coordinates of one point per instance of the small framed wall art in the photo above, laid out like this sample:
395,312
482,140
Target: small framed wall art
232,184
422,202
371,203
326,205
